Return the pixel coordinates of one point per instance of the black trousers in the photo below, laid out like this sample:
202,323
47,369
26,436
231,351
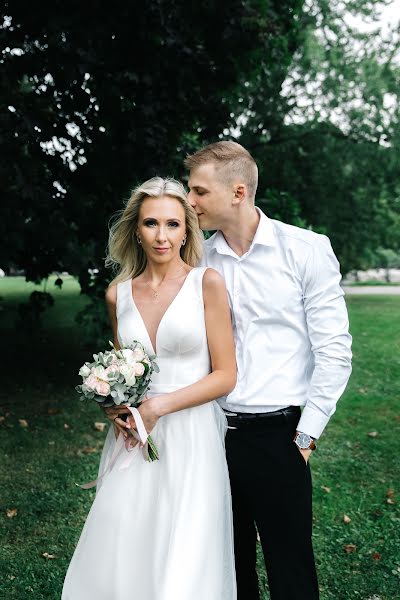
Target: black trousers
271,490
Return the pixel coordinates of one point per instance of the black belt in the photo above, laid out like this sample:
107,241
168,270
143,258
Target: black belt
236,420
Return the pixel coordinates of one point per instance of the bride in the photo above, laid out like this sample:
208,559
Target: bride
163,530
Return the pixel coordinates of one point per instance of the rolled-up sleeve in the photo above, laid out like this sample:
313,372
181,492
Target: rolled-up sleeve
328,329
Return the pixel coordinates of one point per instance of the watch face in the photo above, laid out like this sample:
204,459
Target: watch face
303,440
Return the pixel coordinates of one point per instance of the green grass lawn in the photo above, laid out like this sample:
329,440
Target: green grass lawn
354,473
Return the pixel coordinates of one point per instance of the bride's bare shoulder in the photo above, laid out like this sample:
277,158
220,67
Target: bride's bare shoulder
111,294
211,278
213,283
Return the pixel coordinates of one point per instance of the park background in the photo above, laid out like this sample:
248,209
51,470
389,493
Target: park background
96,97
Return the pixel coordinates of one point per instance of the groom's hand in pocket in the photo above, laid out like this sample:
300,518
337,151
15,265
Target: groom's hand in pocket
305,454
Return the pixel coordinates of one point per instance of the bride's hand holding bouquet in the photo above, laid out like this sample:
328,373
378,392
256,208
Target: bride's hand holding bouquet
118,380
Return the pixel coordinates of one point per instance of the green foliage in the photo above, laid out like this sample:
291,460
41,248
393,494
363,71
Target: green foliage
95,110
339,187
283,207
94,324
30,313
332,141
382,258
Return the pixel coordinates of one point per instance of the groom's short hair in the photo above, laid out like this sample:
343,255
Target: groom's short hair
231,160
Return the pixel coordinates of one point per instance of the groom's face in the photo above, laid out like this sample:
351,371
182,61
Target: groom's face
210,197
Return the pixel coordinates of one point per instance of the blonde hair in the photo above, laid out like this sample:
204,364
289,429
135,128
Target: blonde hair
124,254
231,161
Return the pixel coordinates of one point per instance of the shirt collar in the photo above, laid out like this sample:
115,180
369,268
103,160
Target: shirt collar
264,236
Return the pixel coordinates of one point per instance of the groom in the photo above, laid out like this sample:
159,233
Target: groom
293,350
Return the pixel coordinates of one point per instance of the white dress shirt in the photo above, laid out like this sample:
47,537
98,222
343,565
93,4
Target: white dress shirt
290,322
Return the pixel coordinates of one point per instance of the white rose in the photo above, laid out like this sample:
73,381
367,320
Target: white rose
100,372
84,371
138,354
128,355
129,374
124,369
130,378
139,369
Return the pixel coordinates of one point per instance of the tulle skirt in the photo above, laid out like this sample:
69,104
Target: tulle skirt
161,530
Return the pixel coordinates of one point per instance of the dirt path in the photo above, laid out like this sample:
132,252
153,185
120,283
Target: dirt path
372,290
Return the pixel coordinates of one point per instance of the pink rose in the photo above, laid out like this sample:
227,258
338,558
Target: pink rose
91,382
102,388
139,369
115,368
97,385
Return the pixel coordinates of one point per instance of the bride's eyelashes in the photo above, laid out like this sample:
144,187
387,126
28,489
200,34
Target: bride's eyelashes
153,223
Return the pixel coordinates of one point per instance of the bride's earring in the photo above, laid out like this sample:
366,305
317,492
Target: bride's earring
184,241
139,241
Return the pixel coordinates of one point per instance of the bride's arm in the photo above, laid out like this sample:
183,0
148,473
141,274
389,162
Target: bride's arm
111,303
222,379
113,412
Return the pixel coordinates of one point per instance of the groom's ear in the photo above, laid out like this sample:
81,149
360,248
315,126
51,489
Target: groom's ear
240,193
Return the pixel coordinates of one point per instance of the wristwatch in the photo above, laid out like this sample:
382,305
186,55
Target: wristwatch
304,441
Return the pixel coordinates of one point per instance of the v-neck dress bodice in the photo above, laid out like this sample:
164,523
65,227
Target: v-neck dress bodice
181,339
163,530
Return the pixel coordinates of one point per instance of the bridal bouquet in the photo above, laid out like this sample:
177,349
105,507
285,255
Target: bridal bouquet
120,377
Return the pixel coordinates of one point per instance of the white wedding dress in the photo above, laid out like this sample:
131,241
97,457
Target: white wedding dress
163,530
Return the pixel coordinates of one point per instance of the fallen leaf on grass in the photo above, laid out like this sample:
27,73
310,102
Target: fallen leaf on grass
54,411
2,419
390,501
100,426
372,434
326,489
89,449
66,426
346,519
48,556
349,548
23,422
363,390
376,556
12,512
11,577
390,493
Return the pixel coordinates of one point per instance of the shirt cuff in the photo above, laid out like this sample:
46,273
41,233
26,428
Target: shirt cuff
312,422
